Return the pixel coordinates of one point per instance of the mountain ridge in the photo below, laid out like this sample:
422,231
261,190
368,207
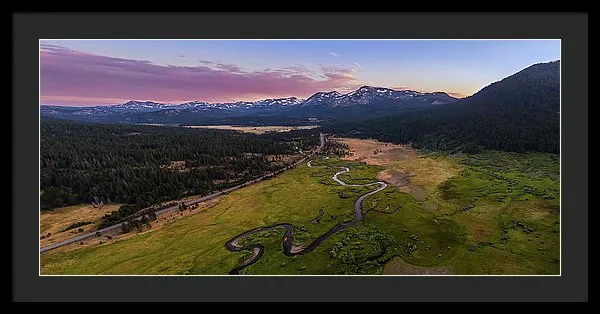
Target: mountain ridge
520,112
285,100
364,100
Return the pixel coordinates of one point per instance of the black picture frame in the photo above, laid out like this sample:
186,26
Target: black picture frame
571,28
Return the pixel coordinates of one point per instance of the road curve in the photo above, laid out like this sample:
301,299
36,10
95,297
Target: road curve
188,203
288,238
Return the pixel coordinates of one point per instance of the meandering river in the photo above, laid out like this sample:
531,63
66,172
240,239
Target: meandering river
289,248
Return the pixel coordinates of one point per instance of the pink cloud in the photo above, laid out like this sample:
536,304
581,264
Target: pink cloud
74,78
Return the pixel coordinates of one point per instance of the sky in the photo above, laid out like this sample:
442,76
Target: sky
104,72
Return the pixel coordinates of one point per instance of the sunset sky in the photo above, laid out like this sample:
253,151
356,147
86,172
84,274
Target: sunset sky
101,72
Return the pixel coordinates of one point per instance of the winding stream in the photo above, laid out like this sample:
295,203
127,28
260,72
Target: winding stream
289,249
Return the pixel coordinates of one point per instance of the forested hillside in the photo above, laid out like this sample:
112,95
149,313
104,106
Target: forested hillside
519,113
143,165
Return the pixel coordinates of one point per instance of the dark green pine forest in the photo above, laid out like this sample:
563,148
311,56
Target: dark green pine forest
82,163
519,113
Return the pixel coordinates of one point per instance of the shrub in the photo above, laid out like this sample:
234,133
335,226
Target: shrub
125,227
76,225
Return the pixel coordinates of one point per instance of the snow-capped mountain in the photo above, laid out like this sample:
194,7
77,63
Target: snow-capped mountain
367,100
142,104
371,95
200,105
283,102
322,98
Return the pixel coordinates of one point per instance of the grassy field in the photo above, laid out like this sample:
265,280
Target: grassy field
507,207
255,129
53,224
196,244
491,213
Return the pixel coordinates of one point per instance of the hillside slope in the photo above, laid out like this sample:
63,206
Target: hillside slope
519,113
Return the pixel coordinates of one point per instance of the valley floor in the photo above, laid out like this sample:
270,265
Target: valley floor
490,213
254,129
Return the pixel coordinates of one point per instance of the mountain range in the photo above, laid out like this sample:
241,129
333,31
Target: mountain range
322,105
518,113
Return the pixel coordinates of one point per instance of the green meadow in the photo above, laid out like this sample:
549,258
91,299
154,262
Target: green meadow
499,215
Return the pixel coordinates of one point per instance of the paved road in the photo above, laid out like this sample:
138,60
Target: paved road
188,203
288,238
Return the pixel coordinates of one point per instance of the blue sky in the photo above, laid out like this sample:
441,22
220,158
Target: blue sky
230,70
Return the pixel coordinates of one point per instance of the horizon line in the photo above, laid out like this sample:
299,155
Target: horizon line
450,94
274,98
82,102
